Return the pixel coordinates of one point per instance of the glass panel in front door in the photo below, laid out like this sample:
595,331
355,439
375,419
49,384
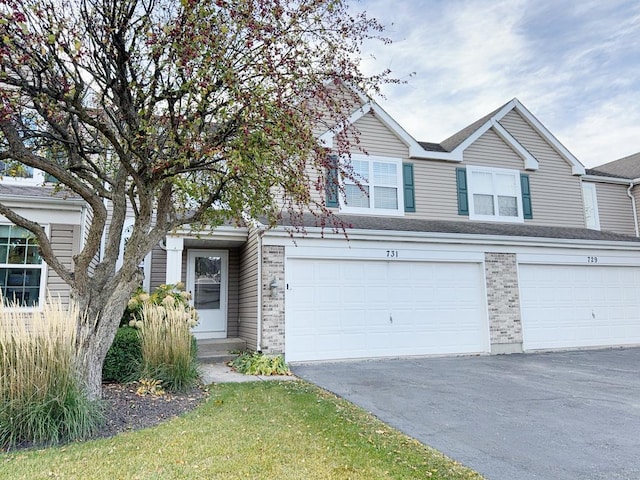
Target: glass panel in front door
207,281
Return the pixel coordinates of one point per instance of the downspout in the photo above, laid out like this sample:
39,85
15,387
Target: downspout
259,312
633,207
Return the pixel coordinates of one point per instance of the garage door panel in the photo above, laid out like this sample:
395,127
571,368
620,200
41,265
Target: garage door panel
565,306
380,308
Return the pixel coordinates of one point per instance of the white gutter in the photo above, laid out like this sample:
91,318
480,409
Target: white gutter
599,179
60,203
456,238
261,231
633,206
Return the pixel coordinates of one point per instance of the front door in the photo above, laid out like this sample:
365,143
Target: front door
207,282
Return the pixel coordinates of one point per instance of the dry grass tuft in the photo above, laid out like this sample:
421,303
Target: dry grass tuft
168,347
41,399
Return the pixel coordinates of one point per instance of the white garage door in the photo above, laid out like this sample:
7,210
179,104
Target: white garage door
351,309
567,306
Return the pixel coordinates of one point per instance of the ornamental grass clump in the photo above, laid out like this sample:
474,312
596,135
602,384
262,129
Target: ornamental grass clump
41,395
168,349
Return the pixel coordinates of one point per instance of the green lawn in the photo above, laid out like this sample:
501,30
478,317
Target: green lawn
257,430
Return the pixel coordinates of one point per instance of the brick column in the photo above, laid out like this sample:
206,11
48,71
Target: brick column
273,291
503,300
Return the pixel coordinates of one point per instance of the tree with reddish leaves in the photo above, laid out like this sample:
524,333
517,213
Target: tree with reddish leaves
186,112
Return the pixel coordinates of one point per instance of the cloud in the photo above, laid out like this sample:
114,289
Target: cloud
575,65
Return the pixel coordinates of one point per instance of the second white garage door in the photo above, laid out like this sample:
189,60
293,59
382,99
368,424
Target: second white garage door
566,306
355,309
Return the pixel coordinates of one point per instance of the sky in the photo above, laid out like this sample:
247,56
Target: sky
575,64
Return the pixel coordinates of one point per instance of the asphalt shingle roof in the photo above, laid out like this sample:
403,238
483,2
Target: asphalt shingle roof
626,167
363,222
36,191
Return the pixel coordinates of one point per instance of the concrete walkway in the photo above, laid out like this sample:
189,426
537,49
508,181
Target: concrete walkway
222,373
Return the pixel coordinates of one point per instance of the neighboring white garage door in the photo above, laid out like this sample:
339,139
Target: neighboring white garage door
566,306
354,308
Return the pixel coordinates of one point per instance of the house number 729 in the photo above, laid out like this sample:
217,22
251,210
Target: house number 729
592,259
393,253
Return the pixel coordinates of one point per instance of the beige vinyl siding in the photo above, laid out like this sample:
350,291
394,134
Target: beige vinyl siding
636,196
65,242
88,220
376,139
556,194
248,291
614,208
233,292
435,190
158,267
435,181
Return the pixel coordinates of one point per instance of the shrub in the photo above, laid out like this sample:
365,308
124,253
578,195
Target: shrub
124,358
168,354
41,396
162,295
255,363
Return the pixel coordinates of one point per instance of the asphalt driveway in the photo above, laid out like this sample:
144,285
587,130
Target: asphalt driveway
570,415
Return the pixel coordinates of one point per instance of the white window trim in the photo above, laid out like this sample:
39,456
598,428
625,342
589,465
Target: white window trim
344,208
44,269
594,206
494,218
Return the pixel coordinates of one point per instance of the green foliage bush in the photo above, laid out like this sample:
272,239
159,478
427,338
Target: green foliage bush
256,363
165,294
124,358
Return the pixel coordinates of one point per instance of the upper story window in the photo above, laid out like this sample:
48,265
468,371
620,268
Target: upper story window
495,194
21,267
378,187
591,216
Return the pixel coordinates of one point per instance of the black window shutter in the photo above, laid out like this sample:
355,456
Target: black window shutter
527,211
332,187
409,189
463,192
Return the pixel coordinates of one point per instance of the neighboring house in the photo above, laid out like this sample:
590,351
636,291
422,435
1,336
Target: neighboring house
496,240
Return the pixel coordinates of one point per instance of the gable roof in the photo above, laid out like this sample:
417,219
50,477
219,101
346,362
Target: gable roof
455,140
459,141
452,148
625,167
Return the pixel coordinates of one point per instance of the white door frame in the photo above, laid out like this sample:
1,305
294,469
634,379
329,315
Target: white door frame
199,331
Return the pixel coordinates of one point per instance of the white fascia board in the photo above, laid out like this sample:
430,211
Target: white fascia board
21,201
455,156
452,238
415,149
530,163
599,179
577,168
326,139
226,232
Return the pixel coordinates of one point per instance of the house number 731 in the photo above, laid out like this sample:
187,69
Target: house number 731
393,253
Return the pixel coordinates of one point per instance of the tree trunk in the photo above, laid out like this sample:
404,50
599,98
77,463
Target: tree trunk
100,314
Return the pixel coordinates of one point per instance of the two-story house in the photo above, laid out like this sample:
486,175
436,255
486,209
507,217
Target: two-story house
496,240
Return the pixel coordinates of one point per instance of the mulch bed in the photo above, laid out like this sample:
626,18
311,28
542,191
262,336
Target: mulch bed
126,411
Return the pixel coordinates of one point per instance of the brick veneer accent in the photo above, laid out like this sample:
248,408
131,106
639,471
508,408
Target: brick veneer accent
503,300
273,301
